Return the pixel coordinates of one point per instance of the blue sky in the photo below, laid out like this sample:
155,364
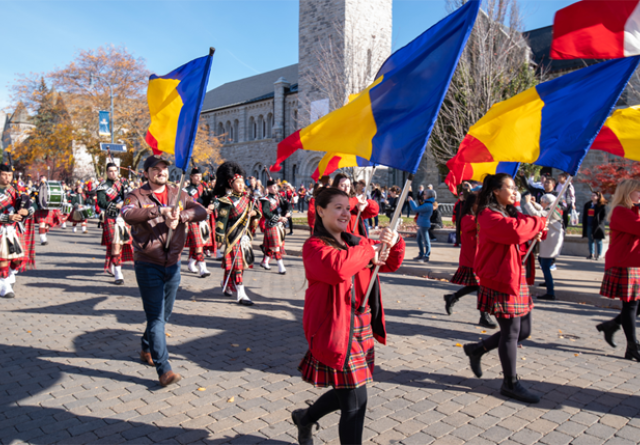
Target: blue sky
250,36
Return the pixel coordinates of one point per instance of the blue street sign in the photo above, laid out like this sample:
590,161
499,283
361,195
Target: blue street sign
103,129
113,148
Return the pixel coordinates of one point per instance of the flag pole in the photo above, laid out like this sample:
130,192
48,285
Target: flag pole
175,206
552,209
366,189
395,220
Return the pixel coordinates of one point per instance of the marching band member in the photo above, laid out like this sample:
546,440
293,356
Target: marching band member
78,201
276,212
199,235
15,208
47,219
622,265
236,213
367,208
503,288
340,336
148,210
116,234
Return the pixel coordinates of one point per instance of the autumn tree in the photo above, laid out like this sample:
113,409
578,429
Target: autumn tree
606,177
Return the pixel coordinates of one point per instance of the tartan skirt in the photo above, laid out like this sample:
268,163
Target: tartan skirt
27,240
108,232
359,369
465,276
504,305
52,218
622,283
227,261
273,239
195,238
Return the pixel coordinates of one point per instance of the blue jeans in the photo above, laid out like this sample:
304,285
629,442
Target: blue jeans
424,242
597,242
545,265
158,287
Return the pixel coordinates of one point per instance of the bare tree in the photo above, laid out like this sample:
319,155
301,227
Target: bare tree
494,66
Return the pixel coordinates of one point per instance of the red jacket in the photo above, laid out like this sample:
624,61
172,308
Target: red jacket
498,262
370,211
328,312
624,246
469,240
311,213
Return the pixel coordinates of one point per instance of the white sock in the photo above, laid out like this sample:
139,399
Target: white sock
117,273
281,267
43,237
112,269
203,267
74,230
5,287
242,295
11,279
192,265
266,261
84,229
64,225
219,253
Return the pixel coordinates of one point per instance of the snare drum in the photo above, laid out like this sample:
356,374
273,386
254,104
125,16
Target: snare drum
82,213
51,195
67,208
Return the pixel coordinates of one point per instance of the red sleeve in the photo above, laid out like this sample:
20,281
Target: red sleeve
371,210
311,213
625,220
507,230
396,256
333,266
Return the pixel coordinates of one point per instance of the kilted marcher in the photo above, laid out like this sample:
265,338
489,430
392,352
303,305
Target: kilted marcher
276,211
465,276
79,202
199,235
47,219
15,209
340,336
149,211
236,210
116,234
622,265
503,289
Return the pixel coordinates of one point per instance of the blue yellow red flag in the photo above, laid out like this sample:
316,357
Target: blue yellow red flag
175,101
390,122
333,161
552,124
467,171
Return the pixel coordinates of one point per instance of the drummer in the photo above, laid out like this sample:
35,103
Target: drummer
48,218
81,209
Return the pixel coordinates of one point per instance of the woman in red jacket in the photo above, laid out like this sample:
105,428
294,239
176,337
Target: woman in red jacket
465,275
367,208
503,289
622,265
340,334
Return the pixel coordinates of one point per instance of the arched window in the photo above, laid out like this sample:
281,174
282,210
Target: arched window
252,128
261,127
269,124
295,120
236,125
220,129
229,135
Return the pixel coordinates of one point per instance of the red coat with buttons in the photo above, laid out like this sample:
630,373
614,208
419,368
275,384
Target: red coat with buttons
624,247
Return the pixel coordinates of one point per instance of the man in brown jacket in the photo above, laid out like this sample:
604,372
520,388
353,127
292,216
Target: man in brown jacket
148,210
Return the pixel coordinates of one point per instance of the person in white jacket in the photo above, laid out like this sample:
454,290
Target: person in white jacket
551,245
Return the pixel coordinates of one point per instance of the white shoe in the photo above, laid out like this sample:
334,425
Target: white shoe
265,263
5,289
192,265
64,225
117,274
281,268
243,299
43,238
203,269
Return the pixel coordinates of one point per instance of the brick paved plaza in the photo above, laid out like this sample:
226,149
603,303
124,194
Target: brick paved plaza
71,374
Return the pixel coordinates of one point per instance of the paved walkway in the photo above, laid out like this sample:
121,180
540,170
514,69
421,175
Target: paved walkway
71,375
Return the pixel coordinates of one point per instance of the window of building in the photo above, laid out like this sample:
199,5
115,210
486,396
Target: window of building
269,124
236,125
252,128
229,137
261,127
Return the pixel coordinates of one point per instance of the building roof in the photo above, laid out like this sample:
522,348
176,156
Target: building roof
539,41
249,89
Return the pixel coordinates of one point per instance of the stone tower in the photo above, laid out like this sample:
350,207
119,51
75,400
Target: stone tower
356,34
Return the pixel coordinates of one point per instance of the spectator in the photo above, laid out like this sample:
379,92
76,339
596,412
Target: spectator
593,224
457,210
376,195
430,187
424,212
436,221
392,201
569,198
406,205
421,196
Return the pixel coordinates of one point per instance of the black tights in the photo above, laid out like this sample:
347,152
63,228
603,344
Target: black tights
352,404
466,290
512,331
627,318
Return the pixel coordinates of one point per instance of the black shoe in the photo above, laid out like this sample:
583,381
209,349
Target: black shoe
449,301
547,297
305,432
283,273
543,284
119,282
609,328
9,295
486,321
590,257
45,243
512,388
245,302
633,350
228,293
475,351
597,257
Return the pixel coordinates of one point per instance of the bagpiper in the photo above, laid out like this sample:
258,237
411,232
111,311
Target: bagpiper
16,250
237,212
199,235
116,234
276,211
82,207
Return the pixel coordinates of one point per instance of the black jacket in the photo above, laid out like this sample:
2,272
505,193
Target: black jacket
598,222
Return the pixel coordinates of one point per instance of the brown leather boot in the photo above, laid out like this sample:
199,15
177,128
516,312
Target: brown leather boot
145,357
169,378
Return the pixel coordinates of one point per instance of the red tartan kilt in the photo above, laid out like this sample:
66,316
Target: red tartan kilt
52,218
27,240
503,305
622,283
271,241
108,232
227,262
465,276
359,369
194,236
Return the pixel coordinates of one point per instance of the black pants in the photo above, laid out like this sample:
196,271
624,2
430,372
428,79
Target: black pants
627,318
352,404
512,331
466,290
290,219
